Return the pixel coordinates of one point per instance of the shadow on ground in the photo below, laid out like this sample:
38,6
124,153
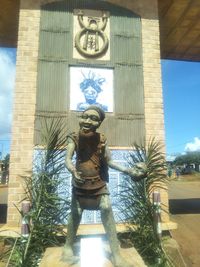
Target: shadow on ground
184,206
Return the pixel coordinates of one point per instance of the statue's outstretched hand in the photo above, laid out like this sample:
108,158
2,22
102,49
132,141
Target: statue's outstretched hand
138,172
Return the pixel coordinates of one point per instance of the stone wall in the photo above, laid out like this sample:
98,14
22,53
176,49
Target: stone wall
26,82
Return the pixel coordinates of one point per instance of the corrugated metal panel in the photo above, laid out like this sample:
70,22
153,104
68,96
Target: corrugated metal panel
126,54
124,131
129,98
126,124
126,34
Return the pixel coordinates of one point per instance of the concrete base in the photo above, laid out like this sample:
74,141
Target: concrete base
52,257
84,229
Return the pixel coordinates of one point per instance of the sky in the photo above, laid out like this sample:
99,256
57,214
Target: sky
181,97
7,81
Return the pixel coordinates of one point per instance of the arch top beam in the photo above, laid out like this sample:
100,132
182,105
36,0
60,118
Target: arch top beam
179,20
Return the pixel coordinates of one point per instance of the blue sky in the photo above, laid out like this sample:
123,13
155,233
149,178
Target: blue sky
7,80
181,92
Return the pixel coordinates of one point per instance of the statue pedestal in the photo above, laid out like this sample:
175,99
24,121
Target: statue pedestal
52,257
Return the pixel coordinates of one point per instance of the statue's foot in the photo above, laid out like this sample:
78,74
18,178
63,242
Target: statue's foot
68,256
119,261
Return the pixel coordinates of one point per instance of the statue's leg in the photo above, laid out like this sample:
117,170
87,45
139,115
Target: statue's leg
110,229
73,224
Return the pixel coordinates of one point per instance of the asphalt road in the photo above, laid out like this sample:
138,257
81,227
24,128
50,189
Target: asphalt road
184,203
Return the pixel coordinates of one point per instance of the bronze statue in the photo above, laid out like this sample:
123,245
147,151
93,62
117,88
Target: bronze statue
90,175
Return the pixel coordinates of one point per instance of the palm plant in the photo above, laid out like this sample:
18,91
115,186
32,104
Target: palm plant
136,202
45,192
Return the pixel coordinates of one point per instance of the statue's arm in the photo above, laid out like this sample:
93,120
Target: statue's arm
69,155
69,163
137,172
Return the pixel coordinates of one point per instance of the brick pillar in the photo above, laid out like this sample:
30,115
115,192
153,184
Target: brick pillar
153,98
24,105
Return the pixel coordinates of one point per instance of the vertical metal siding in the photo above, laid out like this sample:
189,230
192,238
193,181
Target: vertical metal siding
126,53
52,97
126,124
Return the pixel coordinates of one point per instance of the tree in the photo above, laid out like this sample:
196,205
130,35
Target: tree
5,169
45,190
6,162
188,159
136,205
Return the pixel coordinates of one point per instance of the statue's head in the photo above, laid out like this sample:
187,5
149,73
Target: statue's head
91,119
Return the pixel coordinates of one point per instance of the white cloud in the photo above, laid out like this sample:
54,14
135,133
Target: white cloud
7,79
193,146
170,157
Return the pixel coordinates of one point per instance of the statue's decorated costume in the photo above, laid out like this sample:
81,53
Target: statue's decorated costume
93,169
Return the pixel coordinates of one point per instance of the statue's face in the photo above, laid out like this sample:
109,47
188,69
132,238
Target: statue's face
89,121
90,94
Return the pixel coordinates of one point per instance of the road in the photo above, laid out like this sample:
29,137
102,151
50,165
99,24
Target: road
184,202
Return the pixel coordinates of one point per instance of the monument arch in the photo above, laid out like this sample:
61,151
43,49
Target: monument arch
142,111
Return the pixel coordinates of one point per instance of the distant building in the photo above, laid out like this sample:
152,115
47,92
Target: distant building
4,173
3,191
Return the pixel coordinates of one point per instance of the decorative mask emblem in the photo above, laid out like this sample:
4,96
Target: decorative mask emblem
91,41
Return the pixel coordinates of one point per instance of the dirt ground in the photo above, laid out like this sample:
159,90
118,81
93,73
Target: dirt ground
184,202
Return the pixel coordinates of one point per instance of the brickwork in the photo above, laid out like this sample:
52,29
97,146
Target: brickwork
152,80
25,91
154,117
24,108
